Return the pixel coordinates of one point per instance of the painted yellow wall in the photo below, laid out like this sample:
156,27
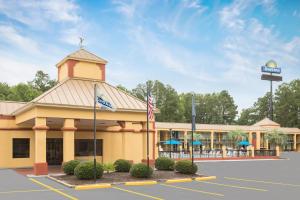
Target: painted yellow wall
63,73
87,70
57,112
6,158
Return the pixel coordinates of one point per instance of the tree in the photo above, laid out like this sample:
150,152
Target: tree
215,108
121,87
287,104
257,112
236,136
4,91
42,82
165,97
23,92
276,137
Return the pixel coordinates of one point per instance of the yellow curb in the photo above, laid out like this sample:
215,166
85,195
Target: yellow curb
206,178
138,183
179,180
93,186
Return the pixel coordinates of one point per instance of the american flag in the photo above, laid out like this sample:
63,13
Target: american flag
150,106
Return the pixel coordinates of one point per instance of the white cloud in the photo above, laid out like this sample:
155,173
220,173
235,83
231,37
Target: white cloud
296,13
15,70
59,15
179,60
128,9
37,14
194,4
10,35
232,16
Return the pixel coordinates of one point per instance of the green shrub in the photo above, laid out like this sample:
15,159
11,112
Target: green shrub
85,170
141,171
164,163
186,167
122,165
68,167
108,167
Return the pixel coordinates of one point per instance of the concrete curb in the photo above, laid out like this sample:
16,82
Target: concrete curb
139,183
179,180
130,183
61,182
207,178
93,186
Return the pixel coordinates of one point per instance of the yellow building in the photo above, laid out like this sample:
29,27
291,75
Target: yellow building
57,126
213,136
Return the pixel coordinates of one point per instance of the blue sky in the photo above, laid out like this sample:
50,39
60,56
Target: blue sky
200,46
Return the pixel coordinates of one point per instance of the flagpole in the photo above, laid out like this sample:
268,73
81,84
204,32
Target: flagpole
95,145
193,126
147,126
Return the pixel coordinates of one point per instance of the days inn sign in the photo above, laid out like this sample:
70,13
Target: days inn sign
271,67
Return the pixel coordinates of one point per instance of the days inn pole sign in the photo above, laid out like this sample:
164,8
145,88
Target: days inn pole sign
268,70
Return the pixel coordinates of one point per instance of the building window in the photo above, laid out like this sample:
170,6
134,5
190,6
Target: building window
21,147
85,147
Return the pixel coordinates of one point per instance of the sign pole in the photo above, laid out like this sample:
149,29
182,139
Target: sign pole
271,99
170,138
95,146
193,125
147,126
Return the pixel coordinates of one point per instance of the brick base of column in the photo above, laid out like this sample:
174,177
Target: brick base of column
151,161
40,168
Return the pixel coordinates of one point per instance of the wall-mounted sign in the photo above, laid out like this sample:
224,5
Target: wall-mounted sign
271,67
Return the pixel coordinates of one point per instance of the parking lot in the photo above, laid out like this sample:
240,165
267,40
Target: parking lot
278,179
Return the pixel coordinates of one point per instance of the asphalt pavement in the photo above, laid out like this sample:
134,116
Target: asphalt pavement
270,179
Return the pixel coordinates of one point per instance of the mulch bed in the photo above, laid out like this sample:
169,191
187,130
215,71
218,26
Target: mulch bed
121,177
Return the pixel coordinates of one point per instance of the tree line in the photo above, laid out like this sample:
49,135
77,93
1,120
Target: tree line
211,108
27,91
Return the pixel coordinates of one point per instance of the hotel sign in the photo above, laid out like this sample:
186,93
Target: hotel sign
275,70
271,77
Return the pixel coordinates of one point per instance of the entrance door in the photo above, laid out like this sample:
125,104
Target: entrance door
54,151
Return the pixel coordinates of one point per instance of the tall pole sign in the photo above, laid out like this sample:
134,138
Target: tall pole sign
268,70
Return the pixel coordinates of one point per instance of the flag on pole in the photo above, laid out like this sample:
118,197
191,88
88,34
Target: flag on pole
193,113
150,107
102,101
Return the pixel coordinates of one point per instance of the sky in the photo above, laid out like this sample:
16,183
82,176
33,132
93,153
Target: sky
193,45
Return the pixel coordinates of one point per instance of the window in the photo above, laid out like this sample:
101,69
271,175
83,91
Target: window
85,147
21,147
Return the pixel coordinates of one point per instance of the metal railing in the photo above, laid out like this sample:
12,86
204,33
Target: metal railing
238,153
264,152
217,153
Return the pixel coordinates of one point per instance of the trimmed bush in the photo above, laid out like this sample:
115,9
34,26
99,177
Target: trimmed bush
68,167
85,170
141,170
108,167
164,163
186,167
122,165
